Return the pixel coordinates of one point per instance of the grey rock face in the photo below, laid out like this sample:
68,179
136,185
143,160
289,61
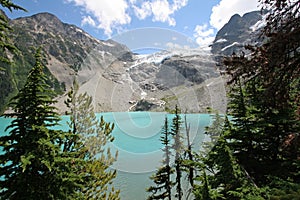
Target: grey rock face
119,80
237,33
188,70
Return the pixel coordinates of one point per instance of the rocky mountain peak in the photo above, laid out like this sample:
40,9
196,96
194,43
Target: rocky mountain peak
67,50
47,23
46,18
41,22
119,80
62,43
236,33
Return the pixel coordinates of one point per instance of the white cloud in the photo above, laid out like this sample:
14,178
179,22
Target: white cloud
107,15
204,35
160,10
143,11
179,4
88,20
203,31
205,41
222,12
111,15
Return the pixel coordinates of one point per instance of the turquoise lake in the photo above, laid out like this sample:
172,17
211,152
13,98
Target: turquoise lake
137,137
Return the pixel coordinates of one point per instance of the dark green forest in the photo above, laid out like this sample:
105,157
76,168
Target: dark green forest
255,154
253,151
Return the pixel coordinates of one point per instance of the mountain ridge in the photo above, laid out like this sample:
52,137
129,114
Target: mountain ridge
116,78
237,33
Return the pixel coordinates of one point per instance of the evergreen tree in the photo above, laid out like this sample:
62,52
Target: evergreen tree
203,161
227,179
266,104
213,132
245,134
162,178
5,43
178,148
205,190
88,138
32,164
189,153
6,47
202,192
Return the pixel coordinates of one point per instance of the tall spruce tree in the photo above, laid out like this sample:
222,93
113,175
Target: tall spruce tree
213,132
229,178
264,101
178,149
162,178
268,79
189,154
202,188
88,139
246,129
32,164
226,178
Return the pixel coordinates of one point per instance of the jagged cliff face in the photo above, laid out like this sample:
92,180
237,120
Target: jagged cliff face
155,82
238,32
119,80
65,46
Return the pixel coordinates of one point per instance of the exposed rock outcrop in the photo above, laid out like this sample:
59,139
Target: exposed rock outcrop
119,80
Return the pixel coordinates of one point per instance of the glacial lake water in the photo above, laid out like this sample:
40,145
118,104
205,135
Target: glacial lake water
137,141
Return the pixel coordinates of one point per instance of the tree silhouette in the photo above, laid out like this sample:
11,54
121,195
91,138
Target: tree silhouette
88,139
162,178
33,165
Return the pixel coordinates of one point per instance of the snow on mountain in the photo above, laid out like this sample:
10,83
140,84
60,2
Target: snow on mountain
155,58
116,78
239,31
221,40
231,45
259,24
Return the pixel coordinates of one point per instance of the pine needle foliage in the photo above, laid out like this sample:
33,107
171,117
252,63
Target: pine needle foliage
265,97
5,43
32,164
178,148
88,138
162,177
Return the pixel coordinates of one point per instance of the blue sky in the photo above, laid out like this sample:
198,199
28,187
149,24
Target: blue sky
199,20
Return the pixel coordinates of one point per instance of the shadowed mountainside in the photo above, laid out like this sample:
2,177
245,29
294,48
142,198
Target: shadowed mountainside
116,78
